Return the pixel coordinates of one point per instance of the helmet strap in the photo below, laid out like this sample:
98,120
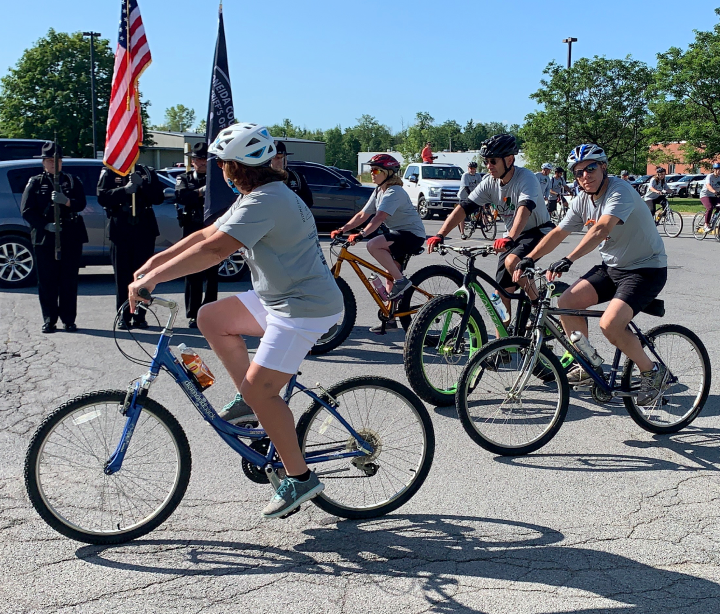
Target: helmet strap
507,170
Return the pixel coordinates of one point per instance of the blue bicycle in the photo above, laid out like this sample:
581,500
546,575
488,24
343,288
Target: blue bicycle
110,466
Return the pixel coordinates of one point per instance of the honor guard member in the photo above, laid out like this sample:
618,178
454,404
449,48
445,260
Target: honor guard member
132,237
57,278
189,200
295,180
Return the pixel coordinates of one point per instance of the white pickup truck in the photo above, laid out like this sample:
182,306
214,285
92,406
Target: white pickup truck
433,188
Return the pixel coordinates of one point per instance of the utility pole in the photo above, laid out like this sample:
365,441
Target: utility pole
569,40
92,36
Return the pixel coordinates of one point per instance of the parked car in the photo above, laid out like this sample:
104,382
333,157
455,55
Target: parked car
171,172
433,188
640,184
681,187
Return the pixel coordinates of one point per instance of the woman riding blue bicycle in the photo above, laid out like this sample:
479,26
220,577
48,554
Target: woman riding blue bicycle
295,298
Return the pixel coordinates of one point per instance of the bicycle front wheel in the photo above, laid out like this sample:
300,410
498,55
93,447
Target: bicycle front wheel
501,417
436,280
698,226
684,394
488,227
65,478
672,223
432,364
390,418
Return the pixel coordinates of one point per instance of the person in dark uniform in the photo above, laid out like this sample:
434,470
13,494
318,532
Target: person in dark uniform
190,199
295,180
132,237
57,279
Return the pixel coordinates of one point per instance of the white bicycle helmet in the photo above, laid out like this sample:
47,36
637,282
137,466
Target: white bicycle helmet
547,166
588,151
245,143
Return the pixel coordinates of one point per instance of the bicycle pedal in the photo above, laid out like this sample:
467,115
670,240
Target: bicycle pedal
290,513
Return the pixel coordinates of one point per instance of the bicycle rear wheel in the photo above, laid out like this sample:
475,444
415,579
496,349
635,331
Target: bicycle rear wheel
65,478
471,224
685,394
437,280
508,424
698,226
389,417
340,331
672,223
432,365
488,227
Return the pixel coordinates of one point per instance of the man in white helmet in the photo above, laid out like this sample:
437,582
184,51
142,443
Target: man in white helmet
633,269
543,178
294,302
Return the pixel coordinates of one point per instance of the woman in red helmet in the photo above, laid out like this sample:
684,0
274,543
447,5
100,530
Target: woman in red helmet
392,206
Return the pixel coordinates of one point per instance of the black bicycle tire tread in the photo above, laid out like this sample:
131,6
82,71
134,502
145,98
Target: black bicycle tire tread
162,413
420,276
343,385
627,374
461,400
348,322
414,346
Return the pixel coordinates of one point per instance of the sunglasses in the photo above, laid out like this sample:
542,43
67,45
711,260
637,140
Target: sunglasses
374,170
590,168
493,161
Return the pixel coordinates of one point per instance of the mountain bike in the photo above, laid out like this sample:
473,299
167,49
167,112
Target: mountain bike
428,282
560,211
670,219
485,220
110,466
508,409
698,225
449,330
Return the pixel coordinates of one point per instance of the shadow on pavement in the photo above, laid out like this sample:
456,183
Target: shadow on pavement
431,557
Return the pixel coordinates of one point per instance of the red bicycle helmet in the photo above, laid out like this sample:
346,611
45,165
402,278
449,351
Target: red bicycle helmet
384,161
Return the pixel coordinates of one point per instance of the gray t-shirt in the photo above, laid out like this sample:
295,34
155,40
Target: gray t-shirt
544,181
557,185
282,250
468,182
634,242
713,181
397,204
523,186
658,185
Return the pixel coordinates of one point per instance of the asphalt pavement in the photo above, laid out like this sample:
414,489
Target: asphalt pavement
605,518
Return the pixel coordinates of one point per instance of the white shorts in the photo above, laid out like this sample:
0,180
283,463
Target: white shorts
286,341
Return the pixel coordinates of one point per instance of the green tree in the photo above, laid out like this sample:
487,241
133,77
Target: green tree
416,136
49,90
687,104
595,101
178,119
201,128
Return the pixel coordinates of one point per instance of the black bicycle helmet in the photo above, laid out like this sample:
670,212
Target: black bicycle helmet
499,146
559,169
472,164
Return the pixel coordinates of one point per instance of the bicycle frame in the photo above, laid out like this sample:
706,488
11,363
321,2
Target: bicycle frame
355,263
164,359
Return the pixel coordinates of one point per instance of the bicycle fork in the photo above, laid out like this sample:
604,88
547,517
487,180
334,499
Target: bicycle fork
132,407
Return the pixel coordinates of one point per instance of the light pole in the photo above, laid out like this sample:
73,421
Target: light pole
569,40
92,36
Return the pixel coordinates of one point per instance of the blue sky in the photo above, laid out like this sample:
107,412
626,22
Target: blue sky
322,63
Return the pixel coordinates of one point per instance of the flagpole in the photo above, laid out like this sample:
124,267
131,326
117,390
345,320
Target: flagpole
129,76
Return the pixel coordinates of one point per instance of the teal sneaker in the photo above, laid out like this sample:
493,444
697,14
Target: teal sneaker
291,494
237,411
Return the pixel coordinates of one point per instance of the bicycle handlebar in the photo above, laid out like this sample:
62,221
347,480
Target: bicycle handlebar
469,252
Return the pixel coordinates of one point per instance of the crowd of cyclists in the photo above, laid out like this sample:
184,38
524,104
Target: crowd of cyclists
295,299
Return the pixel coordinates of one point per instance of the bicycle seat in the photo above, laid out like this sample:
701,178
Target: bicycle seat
655,308
406,258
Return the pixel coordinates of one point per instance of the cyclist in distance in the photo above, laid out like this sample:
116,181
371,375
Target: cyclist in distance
406,232
468,182
294,302
625,175
633,269
543,178
656,190
519,200
556,189
710,194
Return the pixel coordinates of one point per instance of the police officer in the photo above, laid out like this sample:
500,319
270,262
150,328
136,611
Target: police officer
132,237
189,200
295,180
57,279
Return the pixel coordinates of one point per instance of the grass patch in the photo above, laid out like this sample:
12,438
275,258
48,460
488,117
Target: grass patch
365,178
686,205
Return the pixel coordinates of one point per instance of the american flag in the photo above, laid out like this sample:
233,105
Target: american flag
124,127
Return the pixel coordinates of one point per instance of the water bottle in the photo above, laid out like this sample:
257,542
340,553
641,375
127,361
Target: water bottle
196,366
583,346
499,307
379,286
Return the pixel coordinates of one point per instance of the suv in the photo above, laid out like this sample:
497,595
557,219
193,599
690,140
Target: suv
433,188
681,186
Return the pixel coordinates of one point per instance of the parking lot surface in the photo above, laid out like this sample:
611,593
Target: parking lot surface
605,518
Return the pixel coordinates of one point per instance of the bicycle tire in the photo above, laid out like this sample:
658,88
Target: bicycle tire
341,331
488,226
698,223
685,369
387,415
60,502
433,372
672,223
471,224
475,381
437,279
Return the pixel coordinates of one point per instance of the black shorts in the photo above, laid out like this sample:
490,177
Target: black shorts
552,206
523,246
404,243
636,287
